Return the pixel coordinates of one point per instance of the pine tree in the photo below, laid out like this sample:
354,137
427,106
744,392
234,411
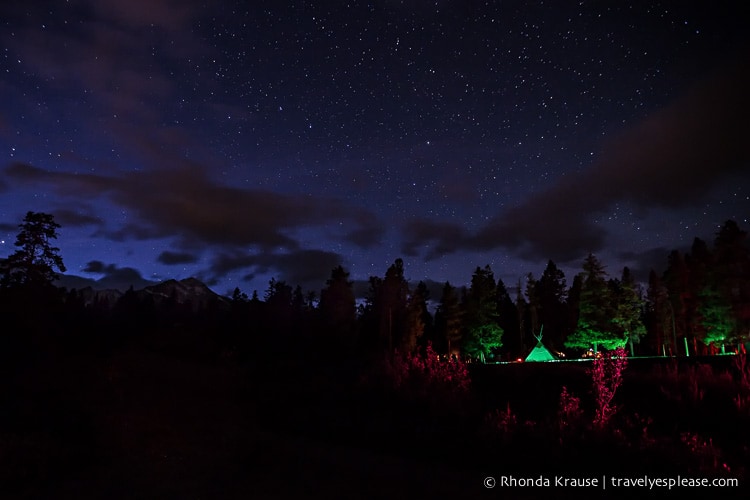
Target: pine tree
732,269
390,305
659,313
551,293
595,328
448,320
716,317
508,321
522,311
628,313
483,333
681,302
338,309
417,318
33,264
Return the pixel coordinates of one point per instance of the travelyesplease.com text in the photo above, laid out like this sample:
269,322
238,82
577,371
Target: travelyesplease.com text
605,481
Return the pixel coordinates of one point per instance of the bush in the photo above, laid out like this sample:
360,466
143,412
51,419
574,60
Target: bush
606,374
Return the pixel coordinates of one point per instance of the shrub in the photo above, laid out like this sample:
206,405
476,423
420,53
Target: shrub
706,456
424,377
500,423
606,375
569,411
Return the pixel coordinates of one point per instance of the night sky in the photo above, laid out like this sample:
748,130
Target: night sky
240,141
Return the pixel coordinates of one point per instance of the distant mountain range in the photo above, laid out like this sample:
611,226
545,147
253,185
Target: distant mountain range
189,291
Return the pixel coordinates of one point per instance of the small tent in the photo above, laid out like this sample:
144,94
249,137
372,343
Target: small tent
539,353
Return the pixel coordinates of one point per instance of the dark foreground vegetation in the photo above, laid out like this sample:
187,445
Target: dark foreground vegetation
90,410
175,392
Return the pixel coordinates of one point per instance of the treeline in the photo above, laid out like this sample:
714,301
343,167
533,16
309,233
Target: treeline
700,304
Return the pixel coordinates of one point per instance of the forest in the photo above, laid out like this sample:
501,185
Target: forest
180,394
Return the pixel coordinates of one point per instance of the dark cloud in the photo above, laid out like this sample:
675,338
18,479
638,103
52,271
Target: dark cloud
642,263
361,288
368,231
171,15
671,159
174,258
104,52
76,218
115,278
188,204
440,238
95,267
130,231
308,268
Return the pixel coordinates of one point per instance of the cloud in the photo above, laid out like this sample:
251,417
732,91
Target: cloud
308,268
76,218
188,205
644,262
115,278
441,238
670,160
361,288
174,258
171,15
115,65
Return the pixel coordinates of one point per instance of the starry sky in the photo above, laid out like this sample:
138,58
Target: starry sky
241,141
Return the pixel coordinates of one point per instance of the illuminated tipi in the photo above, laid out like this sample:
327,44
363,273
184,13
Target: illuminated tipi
539,353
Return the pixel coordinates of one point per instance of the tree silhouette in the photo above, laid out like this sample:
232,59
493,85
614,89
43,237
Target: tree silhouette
338,308
448,320
551,292
508,320
392,305
628,309
33,264
659,314
418,318
732,271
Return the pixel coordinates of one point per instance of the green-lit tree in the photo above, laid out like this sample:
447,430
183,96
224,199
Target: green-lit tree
483,333
716,317
33,264
594,327
628,310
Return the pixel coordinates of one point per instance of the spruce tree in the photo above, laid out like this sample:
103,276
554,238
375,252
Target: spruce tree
595,328
483,332
448,320
33,264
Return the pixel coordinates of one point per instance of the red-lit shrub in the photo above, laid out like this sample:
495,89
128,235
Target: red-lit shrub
425,375
569,412
606,375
